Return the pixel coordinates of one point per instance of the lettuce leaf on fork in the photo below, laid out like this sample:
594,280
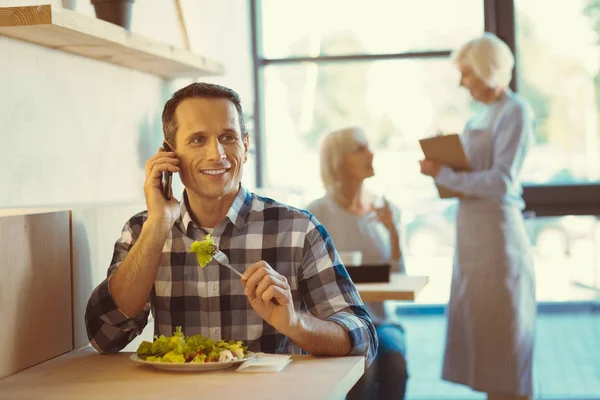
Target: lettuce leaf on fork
205,250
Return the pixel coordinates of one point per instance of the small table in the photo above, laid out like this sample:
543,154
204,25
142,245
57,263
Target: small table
400,287
86,374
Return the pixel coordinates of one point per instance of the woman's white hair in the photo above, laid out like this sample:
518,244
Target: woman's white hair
334,146
489,58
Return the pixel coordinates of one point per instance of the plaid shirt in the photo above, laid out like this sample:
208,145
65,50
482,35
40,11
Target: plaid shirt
210,301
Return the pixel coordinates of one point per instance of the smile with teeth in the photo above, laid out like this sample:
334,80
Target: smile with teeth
214,171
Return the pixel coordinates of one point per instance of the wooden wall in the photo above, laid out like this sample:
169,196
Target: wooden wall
35,289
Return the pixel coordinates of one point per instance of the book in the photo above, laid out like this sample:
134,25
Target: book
447,150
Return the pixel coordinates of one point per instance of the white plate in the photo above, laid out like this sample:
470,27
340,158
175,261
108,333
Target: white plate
209,366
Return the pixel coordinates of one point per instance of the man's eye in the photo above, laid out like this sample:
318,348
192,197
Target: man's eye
198,140
227,138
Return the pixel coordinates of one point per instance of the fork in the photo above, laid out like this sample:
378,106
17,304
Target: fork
224,261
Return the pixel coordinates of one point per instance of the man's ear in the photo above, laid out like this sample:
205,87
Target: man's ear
246,145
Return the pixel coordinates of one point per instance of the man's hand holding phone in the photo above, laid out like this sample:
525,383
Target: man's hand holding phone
157,187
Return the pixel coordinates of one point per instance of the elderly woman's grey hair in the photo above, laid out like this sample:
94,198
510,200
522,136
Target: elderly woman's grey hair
334,146
489,58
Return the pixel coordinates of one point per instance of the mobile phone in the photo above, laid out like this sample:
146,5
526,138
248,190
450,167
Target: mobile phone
167,178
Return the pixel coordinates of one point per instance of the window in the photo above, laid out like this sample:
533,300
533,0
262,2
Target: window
559,76
567,257
558,73
313,28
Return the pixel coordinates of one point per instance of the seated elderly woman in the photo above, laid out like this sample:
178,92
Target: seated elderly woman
355,224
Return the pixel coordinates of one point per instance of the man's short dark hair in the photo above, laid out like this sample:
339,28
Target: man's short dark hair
203,90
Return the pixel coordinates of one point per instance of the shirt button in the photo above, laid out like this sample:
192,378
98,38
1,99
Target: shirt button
214,286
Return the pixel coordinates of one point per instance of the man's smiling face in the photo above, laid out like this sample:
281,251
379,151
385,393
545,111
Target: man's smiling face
210,146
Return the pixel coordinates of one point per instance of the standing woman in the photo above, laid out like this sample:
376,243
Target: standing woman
492,307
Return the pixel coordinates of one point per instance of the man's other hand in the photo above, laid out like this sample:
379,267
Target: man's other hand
262,285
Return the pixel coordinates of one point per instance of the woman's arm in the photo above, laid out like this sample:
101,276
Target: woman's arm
511,143
389,216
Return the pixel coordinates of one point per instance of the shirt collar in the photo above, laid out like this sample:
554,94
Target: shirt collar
240,208
237,213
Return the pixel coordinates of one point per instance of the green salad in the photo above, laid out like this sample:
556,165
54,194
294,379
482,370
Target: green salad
205,250
193,349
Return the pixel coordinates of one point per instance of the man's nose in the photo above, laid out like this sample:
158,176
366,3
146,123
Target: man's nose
216,151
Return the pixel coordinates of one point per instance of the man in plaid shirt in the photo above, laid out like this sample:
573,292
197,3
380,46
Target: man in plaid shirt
284,253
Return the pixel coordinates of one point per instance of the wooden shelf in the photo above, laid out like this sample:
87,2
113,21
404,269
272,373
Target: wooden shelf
76,33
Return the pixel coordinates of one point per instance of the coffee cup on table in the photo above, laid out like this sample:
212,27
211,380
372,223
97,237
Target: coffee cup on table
351,258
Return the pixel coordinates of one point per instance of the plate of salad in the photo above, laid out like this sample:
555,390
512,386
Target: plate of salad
191,353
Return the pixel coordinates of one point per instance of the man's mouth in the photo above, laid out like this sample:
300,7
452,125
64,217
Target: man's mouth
214,171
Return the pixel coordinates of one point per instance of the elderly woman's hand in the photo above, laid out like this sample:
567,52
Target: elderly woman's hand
430,168
384,215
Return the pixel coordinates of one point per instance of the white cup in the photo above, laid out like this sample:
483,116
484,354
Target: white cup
351,258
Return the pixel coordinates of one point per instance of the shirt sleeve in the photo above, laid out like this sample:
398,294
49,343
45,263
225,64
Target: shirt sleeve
511,143
109,329
329,293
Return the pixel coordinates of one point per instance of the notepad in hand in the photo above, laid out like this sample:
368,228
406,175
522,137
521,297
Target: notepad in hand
447,150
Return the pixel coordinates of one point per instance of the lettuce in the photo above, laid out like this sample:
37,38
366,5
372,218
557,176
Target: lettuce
173,357
144,350
205,250
181,349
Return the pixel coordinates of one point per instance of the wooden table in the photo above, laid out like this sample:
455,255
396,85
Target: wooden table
400,287
89,375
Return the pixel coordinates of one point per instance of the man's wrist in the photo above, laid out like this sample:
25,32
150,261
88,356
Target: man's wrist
157,224
156,229
296,328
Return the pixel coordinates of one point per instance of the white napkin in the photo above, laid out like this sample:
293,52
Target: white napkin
265,363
